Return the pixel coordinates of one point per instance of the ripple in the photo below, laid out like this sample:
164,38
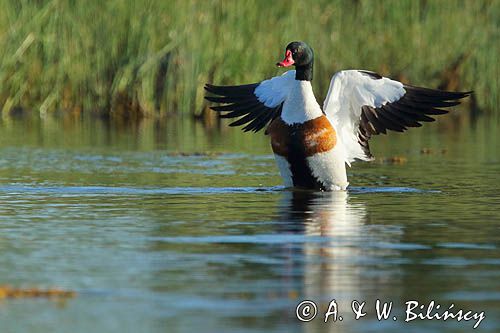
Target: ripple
476,296
467,246
250,239
403,246
389,189
268,239
19,189
460,261
102,190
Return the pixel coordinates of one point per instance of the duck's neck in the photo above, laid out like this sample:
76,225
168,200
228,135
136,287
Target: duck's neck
304,73
300,104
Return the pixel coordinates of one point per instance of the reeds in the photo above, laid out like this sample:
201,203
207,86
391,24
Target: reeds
152,57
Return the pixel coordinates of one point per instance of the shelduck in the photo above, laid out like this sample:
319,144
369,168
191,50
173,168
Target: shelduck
313,145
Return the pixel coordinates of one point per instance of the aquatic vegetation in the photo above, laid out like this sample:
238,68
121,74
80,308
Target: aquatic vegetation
132,58
393,160
196,153
11,292
430,151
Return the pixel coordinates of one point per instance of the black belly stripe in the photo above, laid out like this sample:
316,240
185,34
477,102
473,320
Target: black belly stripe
296,142
302,175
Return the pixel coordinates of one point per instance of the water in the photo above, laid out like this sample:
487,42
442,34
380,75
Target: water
156,235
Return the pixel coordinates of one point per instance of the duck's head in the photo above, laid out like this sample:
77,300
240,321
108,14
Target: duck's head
300,55
297,54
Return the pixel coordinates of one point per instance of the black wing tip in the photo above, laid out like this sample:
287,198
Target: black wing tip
209,87
218,109
461,95
466,93
240,103
215,99
443,95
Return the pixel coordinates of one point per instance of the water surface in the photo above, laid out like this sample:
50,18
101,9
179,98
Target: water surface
155,234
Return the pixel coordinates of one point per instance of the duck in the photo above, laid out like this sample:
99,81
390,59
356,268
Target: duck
314,145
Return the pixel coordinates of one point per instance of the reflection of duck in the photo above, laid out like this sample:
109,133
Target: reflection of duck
321,213
311,144
334,260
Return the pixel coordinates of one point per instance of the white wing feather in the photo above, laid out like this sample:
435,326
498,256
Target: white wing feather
349,91
273,92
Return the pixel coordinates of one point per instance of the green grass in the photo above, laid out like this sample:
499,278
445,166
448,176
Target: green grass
153,57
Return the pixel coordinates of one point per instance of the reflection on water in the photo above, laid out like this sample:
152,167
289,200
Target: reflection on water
330,269
342,225
348,257
160,238
334,266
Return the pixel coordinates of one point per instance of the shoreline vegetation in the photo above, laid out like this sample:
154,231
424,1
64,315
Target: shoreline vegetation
151,58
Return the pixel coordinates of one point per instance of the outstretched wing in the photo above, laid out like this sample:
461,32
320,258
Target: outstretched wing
362,103
257,104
